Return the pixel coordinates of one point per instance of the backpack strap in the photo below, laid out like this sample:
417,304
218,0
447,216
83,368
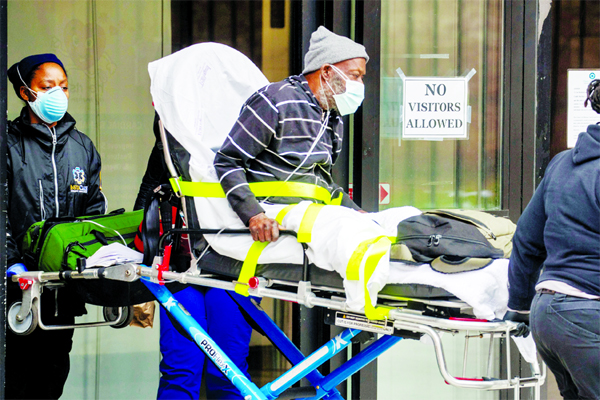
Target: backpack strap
151,223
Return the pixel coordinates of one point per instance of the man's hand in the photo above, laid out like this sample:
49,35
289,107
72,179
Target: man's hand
263,228
522,319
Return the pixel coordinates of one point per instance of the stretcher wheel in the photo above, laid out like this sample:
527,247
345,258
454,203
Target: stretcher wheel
111,314
26,326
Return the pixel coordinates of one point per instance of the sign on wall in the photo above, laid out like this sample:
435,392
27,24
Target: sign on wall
384,193
435,108
579,116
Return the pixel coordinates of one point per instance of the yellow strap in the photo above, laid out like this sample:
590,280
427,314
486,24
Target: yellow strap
281,215
251,260
380,247
197,189
308,220
249,267
260,189
353,267
338,200
376,313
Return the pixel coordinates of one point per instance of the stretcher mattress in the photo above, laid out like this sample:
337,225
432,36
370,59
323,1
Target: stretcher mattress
485,290
110,293
212,262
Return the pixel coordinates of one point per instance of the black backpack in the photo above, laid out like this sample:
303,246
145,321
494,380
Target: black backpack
453,240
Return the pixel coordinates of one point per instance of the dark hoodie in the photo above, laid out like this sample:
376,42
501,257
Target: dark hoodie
43,175
560,228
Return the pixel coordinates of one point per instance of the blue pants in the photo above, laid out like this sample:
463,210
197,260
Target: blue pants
566,331
183,363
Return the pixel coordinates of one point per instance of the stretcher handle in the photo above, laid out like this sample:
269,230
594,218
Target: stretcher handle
205,231
167,153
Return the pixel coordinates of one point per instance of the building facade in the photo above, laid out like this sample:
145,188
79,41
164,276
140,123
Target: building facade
511,122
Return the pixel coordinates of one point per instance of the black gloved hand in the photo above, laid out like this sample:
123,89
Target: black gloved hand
522,319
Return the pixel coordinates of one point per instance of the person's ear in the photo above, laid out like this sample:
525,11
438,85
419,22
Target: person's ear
25,94
326,71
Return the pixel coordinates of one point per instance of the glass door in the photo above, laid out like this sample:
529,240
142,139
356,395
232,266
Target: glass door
441,38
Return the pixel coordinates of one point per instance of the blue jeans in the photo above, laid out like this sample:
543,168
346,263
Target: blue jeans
183,363
566,331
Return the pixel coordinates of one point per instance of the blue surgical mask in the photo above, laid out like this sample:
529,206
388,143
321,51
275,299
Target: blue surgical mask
349,101
49,106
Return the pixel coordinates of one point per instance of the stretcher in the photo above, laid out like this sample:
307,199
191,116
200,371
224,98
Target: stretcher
433,313
412,310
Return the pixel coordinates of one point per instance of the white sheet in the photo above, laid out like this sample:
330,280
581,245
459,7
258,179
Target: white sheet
486,290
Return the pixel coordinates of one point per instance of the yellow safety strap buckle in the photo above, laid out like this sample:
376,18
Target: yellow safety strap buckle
249,267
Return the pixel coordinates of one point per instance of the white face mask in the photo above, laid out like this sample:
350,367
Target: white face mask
349,101
49,106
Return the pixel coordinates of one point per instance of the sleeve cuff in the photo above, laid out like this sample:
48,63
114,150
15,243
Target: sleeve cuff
248,210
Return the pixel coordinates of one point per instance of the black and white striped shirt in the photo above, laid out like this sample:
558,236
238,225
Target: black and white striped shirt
277,127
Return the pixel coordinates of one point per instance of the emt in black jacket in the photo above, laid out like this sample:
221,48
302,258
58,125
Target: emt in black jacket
559,235
53,171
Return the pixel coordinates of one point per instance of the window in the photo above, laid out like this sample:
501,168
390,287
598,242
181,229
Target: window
442,38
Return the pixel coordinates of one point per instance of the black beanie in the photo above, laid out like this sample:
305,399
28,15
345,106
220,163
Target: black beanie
28,64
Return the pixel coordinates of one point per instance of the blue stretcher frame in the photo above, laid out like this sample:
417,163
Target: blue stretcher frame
324,386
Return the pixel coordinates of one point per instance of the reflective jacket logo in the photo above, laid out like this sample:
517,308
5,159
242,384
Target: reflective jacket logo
79,177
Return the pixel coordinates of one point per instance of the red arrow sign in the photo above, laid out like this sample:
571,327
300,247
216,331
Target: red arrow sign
384,193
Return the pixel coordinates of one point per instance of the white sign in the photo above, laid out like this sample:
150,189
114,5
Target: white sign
363,323
578,116
435,108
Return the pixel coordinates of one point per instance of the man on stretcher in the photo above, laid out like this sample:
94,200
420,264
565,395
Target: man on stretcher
292,132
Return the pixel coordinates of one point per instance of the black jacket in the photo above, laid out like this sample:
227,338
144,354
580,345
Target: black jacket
49,180
156,173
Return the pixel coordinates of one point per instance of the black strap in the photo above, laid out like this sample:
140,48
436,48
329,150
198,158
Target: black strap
166,213
176,237
100,237
150,230
151,222
70,249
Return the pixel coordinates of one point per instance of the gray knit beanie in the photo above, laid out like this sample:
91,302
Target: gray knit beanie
328,48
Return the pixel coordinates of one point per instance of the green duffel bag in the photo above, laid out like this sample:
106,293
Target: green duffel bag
56,244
